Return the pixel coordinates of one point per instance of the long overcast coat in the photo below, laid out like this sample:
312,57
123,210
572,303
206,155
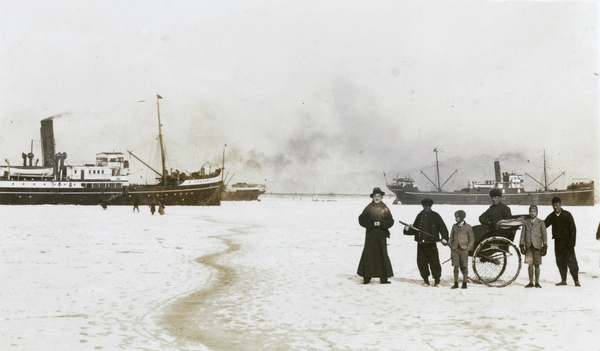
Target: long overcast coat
374,261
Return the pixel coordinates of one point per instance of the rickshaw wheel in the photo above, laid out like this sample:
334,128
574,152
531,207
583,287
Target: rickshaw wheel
496,262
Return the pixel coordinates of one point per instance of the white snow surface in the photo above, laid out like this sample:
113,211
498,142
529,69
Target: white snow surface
279,274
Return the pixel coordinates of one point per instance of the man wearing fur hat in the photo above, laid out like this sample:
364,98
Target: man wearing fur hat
564,234
431,226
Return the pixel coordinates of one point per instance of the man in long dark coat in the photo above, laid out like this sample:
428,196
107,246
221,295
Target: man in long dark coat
564,234
377,219
428,256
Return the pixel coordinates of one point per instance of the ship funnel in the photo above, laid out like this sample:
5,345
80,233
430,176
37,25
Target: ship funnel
24,159
47,132
497,170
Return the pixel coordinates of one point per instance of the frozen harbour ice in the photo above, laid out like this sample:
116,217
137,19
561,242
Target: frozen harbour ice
279,274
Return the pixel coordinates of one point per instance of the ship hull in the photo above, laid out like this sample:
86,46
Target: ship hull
73,193
241,195
568,197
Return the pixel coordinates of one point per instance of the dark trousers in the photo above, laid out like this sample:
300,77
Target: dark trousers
565,258
428,257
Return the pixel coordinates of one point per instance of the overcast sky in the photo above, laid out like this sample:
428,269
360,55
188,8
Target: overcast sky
303,91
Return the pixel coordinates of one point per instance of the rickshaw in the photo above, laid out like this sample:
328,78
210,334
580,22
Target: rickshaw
496,260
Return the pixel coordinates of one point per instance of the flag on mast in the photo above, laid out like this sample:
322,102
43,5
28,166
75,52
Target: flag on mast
158,96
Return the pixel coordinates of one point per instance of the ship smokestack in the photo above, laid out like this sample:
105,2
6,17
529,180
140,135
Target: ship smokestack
24,159
47,132
497,170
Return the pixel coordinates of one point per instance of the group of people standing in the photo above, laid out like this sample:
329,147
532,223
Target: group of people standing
161,206
429,228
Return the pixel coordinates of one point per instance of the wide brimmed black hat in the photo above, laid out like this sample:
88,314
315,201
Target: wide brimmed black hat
427,202
377,191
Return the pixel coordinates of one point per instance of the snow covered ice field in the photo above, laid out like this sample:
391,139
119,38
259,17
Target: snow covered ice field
279,274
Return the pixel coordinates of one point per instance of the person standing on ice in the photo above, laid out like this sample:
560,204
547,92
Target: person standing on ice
377,219
461,242
427,229
136,203
564,234
533,244
161,207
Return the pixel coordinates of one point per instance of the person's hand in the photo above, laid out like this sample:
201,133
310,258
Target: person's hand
544,250
444,242
406,228
522,247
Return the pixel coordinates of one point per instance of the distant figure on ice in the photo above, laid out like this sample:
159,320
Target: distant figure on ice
152,207
564,234
377,219
533,244
598,233
161,207
136,203
461,242
427,228
104,204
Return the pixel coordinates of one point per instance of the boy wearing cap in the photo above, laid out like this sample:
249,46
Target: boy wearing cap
533,244
564,234
461,242
431,226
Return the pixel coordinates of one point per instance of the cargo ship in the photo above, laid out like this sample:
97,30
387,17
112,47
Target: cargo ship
103,182
477,192
243,192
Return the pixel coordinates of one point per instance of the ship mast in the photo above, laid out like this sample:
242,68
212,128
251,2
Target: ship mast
223,168
545,173
546,184
162,149
437,165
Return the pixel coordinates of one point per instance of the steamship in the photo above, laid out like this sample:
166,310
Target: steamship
103,182
243,192
477,192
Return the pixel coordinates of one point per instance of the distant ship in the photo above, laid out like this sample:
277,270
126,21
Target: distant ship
103,182
243,192
477,193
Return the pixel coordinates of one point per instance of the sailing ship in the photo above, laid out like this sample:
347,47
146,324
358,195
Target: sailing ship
103,182
477,192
